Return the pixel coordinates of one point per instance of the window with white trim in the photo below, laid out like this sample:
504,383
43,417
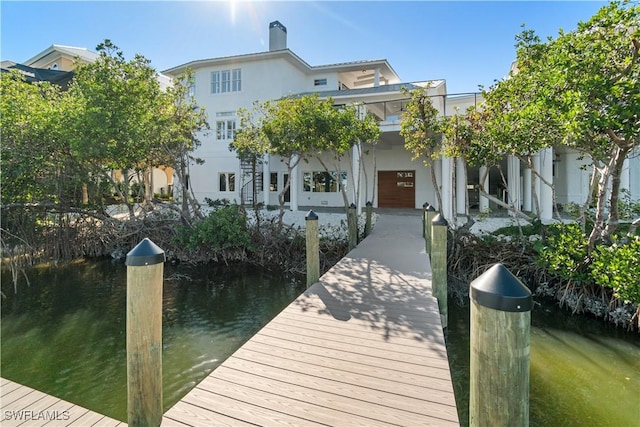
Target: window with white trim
225,81
323,182
226,181
225,126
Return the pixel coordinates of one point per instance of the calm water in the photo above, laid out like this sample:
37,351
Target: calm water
583,372
66,333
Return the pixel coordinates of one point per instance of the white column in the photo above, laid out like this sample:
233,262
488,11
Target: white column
437,171
513,181
526,193
625,175
447,185
546,195
293,188
266,180
536,180
484,202
461,187
355,167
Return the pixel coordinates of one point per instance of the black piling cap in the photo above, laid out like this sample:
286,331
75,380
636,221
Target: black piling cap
311,216
425,205
352,206
369,204
431,208
497,288
439,220
145,253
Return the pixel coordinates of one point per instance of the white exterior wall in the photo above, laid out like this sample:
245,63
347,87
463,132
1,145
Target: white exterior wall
571,179
261,80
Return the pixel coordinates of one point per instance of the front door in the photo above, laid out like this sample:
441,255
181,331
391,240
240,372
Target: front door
396,189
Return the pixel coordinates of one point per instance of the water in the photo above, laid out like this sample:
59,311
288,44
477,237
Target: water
66,334
583,372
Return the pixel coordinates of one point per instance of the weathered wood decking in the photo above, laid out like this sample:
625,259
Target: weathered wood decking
24,406
364,346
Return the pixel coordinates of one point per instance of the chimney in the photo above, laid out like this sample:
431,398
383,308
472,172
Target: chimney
277,36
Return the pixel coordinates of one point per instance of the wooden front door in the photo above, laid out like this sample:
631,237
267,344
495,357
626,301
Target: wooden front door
396,189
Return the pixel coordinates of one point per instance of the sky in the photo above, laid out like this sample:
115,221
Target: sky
469,44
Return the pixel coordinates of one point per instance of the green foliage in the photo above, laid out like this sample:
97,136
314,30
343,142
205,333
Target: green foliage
225,228
527,230
618,267
628,208
565,252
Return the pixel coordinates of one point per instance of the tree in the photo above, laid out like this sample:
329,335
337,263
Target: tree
180,121
420,128
580,90
302,128
115,126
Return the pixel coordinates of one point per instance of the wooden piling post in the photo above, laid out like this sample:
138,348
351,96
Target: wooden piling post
424,219
352,221
430,214
499,360
367,224
438,239
145,265
313,248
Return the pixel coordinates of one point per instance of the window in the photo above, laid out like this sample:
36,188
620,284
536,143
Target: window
225,81
320,82
273,181
225,130
323,182
192,87
227,181
236,82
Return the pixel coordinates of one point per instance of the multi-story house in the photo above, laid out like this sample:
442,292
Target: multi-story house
391,179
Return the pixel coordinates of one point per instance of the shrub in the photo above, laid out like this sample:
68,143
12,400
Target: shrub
225,228
618,267
565,253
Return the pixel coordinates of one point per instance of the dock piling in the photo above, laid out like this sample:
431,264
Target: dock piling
438,241
499,361
145,266
430,213
313,248
352,221
367,224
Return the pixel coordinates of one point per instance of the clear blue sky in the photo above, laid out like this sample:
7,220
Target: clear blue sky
466,43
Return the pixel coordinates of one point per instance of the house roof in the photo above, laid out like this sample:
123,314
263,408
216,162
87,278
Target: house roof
32,74
377,90
289,55
71,51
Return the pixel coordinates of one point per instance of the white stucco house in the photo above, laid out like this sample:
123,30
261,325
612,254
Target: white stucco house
223,85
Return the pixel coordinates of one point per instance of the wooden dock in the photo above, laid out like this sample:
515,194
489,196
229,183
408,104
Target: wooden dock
24,406
362,347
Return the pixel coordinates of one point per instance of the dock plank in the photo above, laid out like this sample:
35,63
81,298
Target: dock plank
25,406
364,346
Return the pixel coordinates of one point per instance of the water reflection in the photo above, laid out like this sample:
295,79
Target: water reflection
65,334
583,372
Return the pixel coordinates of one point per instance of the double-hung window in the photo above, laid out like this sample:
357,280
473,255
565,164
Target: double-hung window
225,81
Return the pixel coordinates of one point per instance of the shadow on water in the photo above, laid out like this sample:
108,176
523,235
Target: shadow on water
584,372
66,334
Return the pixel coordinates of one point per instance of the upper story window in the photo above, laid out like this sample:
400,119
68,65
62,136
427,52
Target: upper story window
224,81
225,126
320,82
192,87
